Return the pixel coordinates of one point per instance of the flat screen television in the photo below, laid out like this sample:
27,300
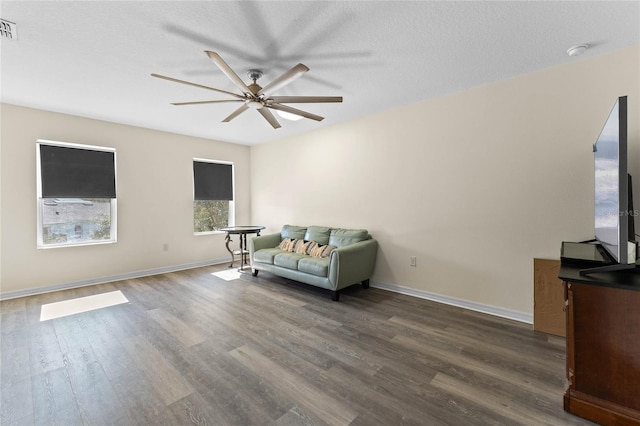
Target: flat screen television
614,226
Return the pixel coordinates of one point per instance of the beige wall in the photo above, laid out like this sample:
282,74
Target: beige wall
475,184
155,193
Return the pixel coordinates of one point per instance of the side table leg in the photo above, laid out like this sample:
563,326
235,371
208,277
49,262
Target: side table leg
243,249
227,240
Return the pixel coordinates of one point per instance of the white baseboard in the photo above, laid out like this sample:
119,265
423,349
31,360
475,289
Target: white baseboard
137,274
461,303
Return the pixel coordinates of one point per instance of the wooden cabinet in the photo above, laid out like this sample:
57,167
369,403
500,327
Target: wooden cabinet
548,298
603,347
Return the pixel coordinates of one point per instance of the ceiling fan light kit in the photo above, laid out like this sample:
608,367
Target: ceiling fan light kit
259,98
577,50
289,116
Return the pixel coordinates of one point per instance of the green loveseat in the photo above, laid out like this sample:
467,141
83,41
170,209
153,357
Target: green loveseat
330,258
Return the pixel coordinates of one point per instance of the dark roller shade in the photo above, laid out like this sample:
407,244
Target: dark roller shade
212,181
75,172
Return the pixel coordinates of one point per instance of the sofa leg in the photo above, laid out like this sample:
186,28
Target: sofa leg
365,284
254,272
335,295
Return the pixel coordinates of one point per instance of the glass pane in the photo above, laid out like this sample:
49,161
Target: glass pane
210,215
75,220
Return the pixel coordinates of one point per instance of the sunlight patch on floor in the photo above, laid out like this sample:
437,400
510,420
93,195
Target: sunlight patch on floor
228,275
81,304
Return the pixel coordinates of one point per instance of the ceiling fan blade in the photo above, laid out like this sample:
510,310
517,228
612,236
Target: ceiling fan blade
284,79
304,99
164,77
296,111
236,113
269,117
226,69
207,102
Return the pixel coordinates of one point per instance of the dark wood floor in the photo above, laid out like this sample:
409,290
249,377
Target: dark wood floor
211,346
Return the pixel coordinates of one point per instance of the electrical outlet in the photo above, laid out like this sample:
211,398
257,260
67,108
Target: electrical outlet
165,247
413,260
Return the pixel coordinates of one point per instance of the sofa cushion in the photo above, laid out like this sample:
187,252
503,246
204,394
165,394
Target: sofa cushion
345,237
318,234
288,260
305,247
314,266
287,244
293,232
320,250
296,246
266,255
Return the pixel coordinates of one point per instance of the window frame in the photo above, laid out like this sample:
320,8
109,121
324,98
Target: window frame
232,207
40,200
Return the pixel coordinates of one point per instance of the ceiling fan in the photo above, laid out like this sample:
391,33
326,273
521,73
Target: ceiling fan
255,97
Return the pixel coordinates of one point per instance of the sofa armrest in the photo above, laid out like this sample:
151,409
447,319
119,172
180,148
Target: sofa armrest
353,263
263,242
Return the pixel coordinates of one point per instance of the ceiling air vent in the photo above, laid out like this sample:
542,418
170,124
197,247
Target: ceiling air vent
8,29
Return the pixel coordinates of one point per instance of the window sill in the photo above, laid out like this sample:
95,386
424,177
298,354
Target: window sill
197,234
87,243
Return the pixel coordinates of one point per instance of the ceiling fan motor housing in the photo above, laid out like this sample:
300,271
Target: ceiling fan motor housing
255,104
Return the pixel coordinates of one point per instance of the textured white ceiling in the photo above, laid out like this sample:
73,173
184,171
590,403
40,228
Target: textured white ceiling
94,58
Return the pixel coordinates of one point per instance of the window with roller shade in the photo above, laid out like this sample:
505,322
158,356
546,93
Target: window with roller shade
76,190
213,206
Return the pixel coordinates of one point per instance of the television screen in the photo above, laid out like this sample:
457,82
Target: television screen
611,196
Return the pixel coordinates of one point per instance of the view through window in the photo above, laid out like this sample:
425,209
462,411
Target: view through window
69,220
210,215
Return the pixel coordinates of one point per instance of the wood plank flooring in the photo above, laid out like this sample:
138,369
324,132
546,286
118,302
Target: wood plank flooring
212,346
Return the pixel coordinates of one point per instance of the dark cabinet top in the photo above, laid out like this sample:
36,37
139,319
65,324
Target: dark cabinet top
626,279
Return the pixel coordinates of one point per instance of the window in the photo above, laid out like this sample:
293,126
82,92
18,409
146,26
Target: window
213,206
76,194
